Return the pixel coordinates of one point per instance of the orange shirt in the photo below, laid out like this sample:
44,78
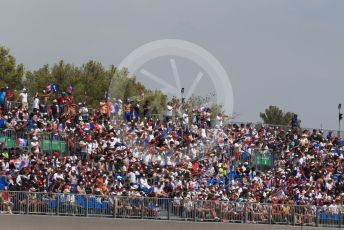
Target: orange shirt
103,107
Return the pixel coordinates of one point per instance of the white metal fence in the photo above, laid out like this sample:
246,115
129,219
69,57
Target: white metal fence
28,203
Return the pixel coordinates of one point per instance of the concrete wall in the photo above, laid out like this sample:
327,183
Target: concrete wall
23,222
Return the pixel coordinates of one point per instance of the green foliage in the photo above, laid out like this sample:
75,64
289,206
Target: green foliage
89,81
11,74
198,101
124,88
157,101
275,116
92,79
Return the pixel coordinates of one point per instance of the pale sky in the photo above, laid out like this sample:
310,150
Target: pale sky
276,52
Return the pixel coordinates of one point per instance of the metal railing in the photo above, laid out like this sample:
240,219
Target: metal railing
286,127
260,160
49,141
186,209
53,141
10,105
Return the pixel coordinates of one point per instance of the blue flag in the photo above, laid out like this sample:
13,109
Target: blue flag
53,88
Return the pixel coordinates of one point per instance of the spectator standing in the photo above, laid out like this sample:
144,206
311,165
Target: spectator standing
61,99
6,200
24,99
35,104
2,97
294,121
83,148
127,111
83,111
55,110
9,97
169,112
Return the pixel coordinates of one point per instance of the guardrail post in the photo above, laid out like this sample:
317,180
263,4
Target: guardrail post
168,209
86,212
142,208
245,213
194,211
317,217
221,212
294,215
57,204
340,219
114,207
27,204
270,214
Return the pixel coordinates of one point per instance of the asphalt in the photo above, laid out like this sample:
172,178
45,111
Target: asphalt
24,222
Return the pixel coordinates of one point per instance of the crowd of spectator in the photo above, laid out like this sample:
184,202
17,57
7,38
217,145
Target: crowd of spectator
123,150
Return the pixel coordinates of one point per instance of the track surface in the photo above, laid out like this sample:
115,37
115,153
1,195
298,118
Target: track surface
17,222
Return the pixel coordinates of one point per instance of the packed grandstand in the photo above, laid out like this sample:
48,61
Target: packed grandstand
122,150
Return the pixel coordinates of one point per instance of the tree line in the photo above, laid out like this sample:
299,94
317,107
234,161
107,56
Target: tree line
90,83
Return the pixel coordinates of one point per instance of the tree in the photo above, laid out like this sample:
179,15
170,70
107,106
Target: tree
198,102
37,80
90,82
275,116
11,74
124,87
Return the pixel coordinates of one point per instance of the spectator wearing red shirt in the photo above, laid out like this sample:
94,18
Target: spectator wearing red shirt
6,203
9,96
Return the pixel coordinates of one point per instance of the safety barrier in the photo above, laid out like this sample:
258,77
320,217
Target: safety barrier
187,209
49,142
11,138
10,105
284,127
55,142
178,119
261,160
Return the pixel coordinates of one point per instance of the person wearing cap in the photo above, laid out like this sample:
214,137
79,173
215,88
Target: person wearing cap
24,99
168,112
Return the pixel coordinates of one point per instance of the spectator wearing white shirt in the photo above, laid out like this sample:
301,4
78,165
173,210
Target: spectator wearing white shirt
24,99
